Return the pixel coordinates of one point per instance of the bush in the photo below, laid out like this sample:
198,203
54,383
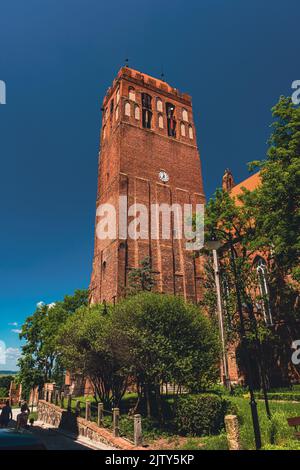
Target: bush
200,415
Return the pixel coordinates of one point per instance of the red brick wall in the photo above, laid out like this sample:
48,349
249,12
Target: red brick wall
131,159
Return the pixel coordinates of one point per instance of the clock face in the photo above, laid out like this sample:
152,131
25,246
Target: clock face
163,176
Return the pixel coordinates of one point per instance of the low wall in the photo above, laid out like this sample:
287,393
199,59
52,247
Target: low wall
62,419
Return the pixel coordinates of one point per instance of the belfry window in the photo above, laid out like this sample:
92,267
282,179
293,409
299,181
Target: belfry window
262,276
182,129
185,116
131,93
159,105
191,133
118,95
127,108
137,112
117,113
170,112
160,121
146,110
111,107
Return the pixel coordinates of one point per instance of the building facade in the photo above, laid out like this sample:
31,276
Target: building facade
148,156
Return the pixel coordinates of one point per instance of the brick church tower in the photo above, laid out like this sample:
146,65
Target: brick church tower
148,154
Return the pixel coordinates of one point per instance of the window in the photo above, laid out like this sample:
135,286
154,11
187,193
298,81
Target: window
182,129
262,275
131,93
137,112
118,95
146,110
160,121
127,108
111,107
117,113
171,121
191,133
159,105
146,101
185,116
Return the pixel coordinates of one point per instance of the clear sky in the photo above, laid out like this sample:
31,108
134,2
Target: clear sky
58,57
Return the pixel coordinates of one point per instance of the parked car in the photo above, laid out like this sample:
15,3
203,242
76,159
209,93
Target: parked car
11,439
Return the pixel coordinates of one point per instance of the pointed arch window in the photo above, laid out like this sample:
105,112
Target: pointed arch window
262,277
182,129
160,121
146,110
191,132
131,93
118,95
159,105
137,112
185,116
170,112
117,113
127,109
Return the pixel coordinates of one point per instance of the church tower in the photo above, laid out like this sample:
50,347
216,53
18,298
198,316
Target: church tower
148,154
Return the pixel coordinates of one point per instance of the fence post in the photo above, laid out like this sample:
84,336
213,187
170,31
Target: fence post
233,432
100,414
88,410
62,400
69,405
138,436
116,419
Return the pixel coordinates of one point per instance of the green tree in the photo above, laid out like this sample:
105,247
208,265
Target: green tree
277,200
169,341
88,346
40,362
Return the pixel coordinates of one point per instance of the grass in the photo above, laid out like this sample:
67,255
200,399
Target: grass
277,429
275,433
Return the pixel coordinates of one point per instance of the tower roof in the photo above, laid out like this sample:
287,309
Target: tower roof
156,84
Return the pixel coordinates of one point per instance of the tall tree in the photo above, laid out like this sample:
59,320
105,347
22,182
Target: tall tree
39,362
277,200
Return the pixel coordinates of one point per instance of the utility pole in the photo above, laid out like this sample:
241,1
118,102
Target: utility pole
244,343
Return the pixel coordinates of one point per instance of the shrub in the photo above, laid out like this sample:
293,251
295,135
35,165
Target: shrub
200,415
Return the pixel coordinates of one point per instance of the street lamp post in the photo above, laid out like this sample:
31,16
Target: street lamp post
214,245
244,343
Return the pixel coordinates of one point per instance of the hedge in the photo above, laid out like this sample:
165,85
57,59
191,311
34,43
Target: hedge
286,396
200,415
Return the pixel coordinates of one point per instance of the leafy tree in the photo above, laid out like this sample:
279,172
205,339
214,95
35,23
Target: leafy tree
141,278
169,341
88,345
39,362
277,200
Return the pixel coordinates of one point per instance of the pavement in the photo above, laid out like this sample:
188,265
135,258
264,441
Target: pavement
55,439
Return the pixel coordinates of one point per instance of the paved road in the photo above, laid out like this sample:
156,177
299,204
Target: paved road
55,440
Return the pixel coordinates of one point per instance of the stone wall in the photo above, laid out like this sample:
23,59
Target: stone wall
63,420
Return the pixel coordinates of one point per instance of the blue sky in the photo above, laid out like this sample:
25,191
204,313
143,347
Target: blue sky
58,57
